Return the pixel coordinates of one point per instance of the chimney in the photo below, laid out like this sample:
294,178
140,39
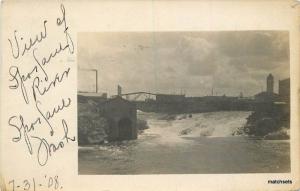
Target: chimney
119,90
270,84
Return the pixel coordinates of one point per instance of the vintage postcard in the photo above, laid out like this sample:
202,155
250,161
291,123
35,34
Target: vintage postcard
150,95
209,97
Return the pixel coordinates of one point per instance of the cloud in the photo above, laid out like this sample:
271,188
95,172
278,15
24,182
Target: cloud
198,54
269,44
194,61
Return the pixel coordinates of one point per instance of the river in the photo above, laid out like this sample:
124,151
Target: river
201,143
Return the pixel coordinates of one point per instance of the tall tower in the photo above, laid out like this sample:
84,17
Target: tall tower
119,90
270,84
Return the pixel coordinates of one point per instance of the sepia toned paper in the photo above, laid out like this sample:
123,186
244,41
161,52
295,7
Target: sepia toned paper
80,79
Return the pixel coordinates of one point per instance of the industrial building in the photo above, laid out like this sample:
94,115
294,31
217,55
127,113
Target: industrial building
169,98
121,115
268,95
284,90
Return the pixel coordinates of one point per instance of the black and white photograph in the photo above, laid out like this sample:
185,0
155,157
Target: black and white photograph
152,95
183,102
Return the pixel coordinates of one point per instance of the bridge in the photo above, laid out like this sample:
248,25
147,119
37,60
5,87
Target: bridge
138,96
147,96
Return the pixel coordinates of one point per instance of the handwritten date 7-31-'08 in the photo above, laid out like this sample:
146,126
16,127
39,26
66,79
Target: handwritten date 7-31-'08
33,184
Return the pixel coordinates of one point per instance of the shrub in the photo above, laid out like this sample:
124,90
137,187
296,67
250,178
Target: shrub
92,130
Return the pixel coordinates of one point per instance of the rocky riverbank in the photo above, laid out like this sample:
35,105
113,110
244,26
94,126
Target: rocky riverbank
269,121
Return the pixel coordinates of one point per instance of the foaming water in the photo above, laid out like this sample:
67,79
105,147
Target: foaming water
184,144
213,124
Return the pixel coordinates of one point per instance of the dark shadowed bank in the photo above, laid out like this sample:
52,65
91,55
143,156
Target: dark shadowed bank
93,127
270,121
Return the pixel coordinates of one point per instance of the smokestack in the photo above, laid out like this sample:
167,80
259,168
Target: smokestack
119,90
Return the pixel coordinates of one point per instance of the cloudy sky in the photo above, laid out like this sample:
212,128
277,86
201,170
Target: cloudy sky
190,62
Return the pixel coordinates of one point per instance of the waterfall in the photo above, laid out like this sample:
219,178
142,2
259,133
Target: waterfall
172,128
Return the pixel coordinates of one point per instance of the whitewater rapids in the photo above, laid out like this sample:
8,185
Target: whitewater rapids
184,144
213,124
